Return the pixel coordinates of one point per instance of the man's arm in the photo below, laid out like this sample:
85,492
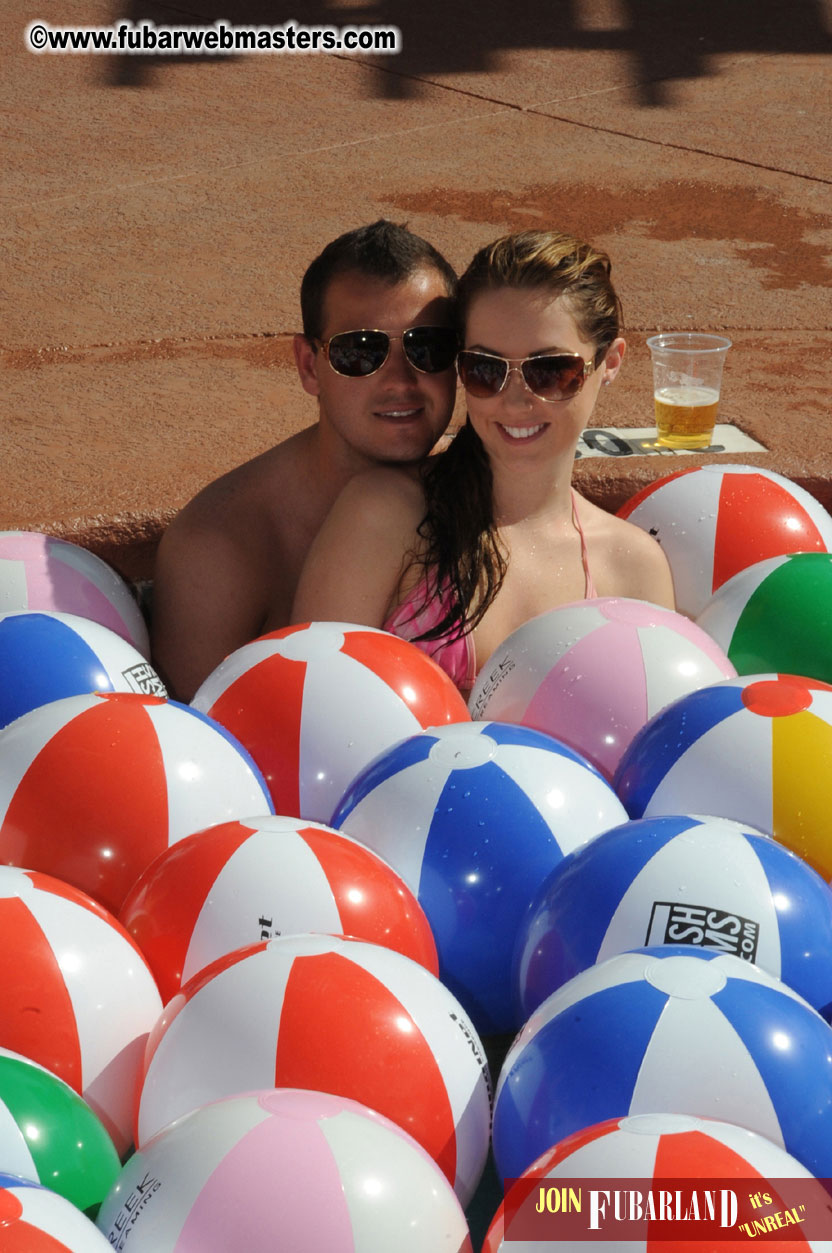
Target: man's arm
209,598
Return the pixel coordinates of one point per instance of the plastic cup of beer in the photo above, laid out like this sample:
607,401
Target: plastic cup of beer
687,377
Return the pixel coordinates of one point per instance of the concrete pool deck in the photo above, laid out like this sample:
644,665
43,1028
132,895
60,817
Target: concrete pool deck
159,212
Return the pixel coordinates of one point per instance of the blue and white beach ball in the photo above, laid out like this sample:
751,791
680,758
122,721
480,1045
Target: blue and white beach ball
474,816
706,882
669,1030
47,656
757,749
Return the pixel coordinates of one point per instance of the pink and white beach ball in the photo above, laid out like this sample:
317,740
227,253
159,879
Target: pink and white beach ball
333,1015
715,520
594,672
41,572
77,995
314,704
283,1168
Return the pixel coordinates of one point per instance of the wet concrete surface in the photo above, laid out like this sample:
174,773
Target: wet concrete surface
158,213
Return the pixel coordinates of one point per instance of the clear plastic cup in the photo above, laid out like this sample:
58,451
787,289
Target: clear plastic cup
687,379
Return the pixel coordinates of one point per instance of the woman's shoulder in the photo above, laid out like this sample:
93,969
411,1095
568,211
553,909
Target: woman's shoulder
386,494
633,563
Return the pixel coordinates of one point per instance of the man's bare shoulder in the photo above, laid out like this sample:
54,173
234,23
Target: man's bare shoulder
251,500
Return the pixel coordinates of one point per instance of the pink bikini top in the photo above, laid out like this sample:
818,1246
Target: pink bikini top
425,606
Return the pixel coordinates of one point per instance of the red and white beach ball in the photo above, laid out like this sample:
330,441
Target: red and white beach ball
715,520
242,882
47,656
92,788
40,572
77,995
594,672
333,1015
35,1220
757,749
653,1149
284,1169
314,704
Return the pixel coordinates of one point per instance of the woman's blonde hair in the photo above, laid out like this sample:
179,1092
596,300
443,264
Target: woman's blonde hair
554,262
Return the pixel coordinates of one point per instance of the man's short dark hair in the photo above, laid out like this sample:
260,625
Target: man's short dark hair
383,250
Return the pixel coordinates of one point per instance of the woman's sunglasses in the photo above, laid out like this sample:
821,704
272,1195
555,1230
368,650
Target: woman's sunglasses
357,354
555,376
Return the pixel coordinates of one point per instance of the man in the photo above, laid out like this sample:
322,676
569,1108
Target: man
229,563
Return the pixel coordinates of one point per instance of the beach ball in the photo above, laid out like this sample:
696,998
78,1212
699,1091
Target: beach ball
593,673
93,787
40,572
314,705
333,1015
77,995
49,1134
238,883
474,817
46,656
655,1150
668,1030
35,1220
776,615
757,749
284,1169
714,520
707,882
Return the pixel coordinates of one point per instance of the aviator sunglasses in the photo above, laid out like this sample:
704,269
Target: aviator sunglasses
357,354
551,376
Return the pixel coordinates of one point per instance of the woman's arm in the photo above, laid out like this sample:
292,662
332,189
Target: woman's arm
354,566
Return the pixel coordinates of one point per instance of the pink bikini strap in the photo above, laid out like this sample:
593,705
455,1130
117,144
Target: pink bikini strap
589,591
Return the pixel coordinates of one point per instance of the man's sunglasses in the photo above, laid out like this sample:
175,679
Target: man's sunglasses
555,376
357,354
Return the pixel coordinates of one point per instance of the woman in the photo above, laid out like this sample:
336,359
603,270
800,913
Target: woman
490,533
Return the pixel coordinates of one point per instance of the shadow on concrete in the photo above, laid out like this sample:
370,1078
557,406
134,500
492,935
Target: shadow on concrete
666,40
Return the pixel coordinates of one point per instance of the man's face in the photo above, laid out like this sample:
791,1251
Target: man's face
398,413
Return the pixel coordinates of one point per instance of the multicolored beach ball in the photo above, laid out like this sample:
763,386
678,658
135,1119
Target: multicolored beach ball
593,673
50,1135
706,882
93,787
474,817
314,705
714,520
35,1220
40,572
47,656
242,882
757,749
332,1015
284,1169
668,1030
776,615
650,1151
